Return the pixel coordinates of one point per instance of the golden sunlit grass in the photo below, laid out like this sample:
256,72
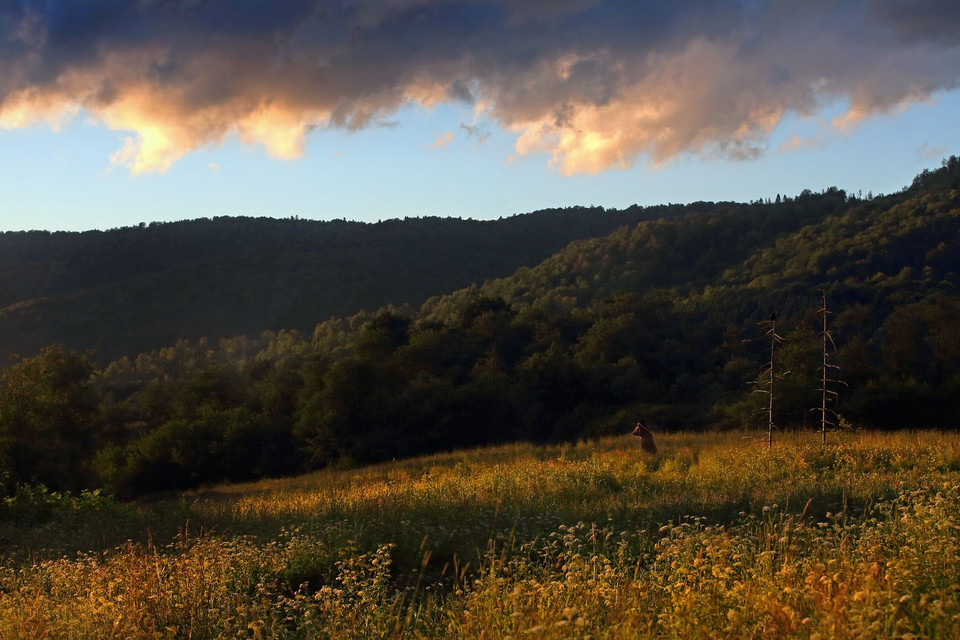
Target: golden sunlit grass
713,537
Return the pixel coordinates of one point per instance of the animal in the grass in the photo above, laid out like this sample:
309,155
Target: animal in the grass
646,438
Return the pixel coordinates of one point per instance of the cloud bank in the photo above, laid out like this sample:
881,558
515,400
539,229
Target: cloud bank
595,84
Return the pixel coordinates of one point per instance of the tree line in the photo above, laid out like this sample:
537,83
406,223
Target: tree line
657,320
125,291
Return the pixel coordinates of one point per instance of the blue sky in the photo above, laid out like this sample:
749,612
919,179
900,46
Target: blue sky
689,112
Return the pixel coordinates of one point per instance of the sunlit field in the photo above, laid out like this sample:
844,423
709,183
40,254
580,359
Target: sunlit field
714,536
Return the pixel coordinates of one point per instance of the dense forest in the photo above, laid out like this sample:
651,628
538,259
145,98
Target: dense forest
664,317
152,285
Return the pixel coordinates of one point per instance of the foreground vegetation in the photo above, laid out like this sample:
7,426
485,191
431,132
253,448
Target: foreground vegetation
714,536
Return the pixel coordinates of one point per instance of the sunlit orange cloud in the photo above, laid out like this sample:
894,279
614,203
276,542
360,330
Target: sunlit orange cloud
854,116
592,85
164,130
31,106
694,101
426,92
161,137
442,140
864,108
165,123
280,129
801,142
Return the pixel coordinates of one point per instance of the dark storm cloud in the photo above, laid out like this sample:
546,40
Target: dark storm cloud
594,83
920,20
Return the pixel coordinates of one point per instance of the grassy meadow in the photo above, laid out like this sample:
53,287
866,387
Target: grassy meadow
713,536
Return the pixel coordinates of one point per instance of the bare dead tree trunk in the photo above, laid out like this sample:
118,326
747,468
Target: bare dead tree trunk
770,369
823,388
773,346
826,365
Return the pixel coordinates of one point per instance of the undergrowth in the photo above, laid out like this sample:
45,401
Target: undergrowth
713,537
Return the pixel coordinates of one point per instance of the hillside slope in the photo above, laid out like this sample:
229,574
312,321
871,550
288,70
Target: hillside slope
134,289
664,321
714,535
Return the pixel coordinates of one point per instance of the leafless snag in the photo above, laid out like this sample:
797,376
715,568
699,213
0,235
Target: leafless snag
770,368
825,391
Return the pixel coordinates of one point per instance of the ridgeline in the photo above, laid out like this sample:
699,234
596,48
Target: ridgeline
234,349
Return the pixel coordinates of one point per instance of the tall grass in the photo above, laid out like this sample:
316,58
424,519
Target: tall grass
713,537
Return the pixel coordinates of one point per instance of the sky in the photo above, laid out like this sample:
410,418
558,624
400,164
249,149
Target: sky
117,112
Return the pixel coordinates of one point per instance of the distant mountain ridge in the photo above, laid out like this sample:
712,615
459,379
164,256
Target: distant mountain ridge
903,246
128,290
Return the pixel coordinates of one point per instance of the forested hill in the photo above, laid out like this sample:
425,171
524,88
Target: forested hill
666,318
675,310
124,291
742,259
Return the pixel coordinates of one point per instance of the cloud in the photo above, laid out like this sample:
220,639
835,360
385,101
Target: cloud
928,152
442,140
802,142
477,131
593,84
919,20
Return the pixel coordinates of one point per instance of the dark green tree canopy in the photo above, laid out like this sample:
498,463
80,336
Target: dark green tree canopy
662,317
